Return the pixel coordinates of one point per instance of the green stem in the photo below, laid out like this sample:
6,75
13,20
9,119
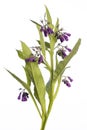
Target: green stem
44,120
57,89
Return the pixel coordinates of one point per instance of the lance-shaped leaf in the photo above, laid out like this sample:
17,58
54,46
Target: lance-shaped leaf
49,19
35,23
56,26
28,76
62,64
21,54
25,49
19,80
42,43
38,81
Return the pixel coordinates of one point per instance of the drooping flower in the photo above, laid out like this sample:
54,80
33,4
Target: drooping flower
23,96
31,59
62,36
40,60
70,79
65,81
46,30
68,49
61,52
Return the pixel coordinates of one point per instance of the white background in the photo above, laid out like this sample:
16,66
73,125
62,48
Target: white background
70,108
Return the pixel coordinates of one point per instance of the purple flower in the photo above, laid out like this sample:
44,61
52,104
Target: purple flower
49,30
66,82
31,59
23,96
40,60
63,36
70,79
68,34
61,53
46,30
67,48
19,96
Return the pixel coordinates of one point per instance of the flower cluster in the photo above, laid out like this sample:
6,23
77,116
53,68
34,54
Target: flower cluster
63,36
46,30
67,81
23,96
62,51
37,57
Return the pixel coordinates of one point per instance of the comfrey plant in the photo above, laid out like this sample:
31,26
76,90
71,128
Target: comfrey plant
52,42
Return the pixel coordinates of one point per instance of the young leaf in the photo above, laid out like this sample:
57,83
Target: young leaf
35,23
19,80
38,83
25,49
42,43
62,64
21,54
49,19
56,25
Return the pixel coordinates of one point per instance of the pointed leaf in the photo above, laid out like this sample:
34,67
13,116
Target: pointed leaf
36,94
62,64
28,76
49,19
56,26
35,23
26,50
21,54
38,83
19,80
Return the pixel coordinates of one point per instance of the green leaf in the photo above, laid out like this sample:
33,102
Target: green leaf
35,23
36,94
19,80
21,54
38,83
28,76
62,64
49,19
48,88
56,25
47,44
25,49
42,43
